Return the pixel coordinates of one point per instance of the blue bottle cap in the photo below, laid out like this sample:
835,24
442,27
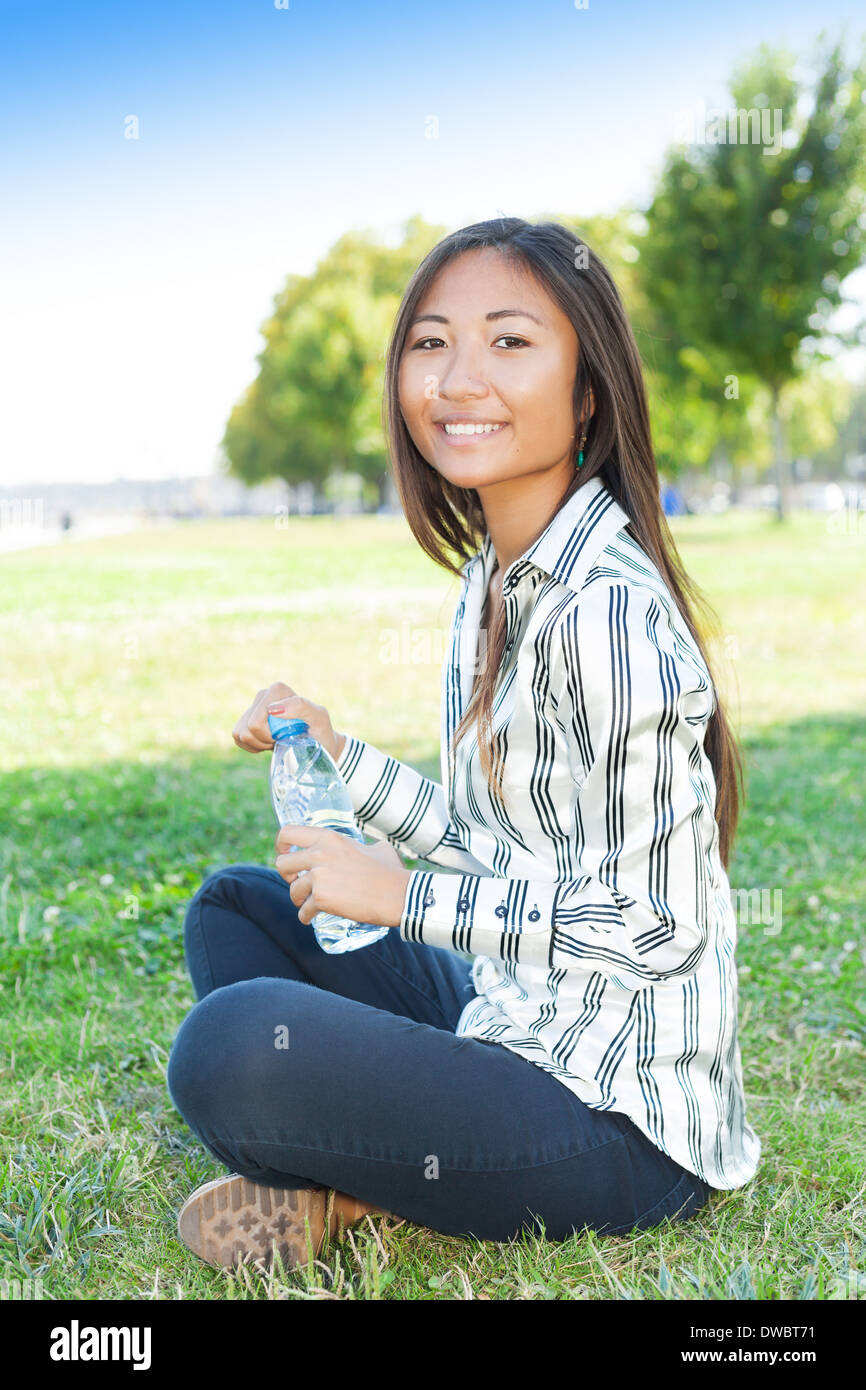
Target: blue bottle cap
286,728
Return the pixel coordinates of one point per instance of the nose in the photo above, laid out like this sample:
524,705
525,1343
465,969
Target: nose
464,375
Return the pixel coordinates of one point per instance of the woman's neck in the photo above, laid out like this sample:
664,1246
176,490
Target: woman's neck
517,510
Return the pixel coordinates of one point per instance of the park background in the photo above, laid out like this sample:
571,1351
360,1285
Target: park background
214,211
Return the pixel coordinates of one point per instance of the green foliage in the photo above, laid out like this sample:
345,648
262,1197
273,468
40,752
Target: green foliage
747,243
315,406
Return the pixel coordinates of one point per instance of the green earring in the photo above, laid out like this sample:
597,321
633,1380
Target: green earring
580,455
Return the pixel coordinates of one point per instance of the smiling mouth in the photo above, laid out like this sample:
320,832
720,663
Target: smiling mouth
470,433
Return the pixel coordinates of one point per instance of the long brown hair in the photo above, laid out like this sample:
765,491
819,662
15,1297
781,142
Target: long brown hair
447,520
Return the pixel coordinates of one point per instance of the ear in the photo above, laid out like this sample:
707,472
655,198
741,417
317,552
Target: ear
581,425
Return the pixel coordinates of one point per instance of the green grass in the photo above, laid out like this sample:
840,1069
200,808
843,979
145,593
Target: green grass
125,664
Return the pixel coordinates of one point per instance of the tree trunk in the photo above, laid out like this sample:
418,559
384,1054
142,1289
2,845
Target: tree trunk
780,459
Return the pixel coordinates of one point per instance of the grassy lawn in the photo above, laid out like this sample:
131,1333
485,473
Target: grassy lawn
125,664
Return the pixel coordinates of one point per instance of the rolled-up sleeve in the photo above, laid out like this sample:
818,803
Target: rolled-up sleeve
631,697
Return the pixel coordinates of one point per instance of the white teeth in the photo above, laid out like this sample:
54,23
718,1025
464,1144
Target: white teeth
471,429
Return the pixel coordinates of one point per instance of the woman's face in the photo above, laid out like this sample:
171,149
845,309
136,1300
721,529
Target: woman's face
490,346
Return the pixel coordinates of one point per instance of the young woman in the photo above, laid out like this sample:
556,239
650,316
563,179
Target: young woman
547,1039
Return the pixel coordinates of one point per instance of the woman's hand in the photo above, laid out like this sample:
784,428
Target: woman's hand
253,735
332,873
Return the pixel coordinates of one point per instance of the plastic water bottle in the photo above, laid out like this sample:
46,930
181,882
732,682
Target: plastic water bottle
306,787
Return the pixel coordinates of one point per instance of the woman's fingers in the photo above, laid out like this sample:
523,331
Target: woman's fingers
295,706
251,731
241,731
292,707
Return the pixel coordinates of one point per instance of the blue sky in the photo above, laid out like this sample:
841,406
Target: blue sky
136,272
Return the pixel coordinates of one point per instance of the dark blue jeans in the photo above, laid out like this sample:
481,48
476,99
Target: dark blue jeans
303,1069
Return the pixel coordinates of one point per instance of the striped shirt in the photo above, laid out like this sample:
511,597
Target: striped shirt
595,903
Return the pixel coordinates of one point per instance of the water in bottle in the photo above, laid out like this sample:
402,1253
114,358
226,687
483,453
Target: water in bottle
306,787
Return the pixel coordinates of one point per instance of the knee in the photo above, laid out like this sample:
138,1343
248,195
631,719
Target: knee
228,1046
205,1047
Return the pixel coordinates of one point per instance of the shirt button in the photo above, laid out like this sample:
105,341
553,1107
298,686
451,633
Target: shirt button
463,904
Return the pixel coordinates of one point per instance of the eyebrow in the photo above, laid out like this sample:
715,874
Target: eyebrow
494,314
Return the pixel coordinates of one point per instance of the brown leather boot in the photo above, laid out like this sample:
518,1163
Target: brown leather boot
231,1218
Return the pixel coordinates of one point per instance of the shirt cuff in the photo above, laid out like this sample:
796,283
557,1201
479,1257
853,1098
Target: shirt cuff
483,915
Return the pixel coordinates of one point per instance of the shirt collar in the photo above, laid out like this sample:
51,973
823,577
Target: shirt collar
566,548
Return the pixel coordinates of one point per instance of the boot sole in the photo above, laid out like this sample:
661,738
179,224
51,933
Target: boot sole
230,1219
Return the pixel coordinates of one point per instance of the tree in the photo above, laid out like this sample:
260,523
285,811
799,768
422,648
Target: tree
690,422
747,245
315,406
